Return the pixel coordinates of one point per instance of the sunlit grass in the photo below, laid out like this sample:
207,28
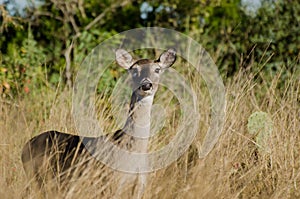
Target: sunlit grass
234,169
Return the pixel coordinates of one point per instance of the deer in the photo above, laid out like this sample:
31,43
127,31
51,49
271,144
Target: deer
58,152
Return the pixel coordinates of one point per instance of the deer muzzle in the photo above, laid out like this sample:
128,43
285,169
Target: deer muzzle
146,86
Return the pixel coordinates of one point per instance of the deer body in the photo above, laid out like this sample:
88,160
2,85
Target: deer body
38,156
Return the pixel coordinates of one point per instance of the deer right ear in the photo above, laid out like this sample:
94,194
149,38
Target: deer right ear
124,59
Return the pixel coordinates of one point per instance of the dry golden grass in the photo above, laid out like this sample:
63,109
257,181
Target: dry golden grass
234,169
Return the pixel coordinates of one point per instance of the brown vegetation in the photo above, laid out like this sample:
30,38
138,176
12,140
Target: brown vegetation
236,168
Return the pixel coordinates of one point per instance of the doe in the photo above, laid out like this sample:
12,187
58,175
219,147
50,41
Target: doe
56,152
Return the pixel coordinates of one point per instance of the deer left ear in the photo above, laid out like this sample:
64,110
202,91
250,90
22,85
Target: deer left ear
124,59
167,59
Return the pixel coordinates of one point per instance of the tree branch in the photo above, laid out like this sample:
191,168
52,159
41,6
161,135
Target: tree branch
99,17
68,64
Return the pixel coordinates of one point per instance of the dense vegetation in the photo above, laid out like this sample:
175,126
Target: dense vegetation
38,44
258,55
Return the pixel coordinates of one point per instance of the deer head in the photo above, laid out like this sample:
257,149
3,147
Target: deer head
145,73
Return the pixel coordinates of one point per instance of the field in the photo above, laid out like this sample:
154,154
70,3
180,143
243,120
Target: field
257,55
237,167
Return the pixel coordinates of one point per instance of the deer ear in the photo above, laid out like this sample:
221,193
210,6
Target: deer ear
124,59
167,59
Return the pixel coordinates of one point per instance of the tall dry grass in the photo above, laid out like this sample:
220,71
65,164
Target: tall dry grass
235,168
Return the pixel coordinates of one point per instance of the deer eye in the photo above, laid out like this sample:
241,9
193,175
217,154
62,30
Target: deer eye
157,70
134,74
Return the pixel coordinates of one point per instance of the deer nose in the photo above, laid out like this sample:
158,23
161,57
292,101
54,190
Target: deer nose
146,86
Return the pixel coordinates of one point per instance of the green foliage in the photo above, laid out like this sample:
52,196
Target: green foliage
260,126
266,41
22,67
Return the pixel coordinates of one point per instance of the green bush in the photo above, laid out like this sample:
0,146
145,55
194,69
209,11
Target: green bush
260,126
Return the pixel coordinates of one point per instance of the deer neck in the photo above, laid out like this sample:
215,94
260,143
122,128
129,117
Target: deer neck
138,121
